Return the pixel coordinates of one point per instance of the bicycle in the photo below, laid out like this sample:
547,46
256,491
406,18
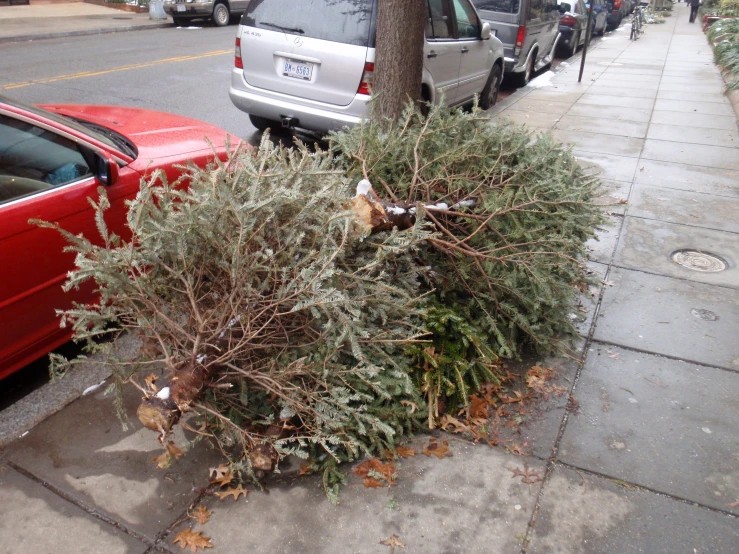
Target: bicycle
637,21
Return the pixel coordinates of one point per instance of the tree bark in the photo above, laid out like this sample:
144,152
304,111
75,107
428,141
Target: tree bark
401,26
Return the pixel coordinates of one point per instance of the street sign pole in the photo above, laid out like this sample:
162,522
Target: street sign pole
587,41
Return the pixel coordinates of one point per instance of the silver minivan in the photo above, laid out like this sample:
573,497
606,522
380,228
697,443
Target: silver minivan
529,30
310,63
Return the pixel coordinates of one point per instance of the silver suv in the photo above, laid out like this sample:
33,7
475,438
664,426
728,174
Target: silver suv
312,66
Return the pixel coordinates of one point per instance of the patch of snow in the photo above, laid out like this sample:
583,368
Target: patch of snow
706,430
464,204
164,393
439,206
201,358
92,388
395,210
543,80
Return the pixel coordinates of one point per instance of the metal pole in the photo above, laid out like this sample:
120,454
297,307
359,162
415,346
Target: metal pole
587,41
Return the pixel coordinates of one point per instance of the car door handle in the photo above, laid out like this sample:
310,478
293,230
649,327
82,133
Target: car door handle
465,50
431,54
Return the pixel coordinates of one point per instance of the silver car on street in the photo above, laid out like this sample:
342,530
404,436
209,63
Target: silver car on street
310,64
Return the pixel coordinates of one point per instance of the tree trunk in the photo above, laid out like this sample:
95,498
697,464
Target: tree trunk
401,26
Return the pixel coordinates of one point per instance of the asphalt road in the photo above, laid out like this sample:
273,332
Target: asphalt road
183,71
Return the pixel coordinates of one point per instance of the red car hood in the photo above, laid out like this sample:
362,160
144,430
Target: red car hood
155,134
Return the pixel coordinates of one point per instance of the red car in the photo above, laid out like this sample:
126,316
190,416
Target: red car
52,158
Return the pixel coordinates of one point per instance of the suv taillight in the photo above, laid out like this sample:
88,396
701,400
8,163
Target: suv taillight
365,85
567,20
616,3
237,59
520,38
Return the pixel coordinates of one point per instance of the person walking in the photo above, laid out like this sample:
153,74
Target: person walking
694,5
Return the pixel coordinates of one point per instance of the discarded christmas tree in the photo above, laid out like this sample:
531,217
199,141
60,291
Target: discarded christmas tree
296,312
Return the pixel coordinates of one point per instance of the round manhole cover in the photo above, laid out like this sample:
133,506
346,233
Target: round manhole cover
705,315
699,261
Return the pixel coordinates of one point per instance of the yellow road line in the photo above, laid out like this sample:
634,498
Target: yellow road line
114,69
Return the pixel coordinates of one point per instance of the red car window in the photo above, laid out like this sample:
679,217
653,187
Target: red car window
33,159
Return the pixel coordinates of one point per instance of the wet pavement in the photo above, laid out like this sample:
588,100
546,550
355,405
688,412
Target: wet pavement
647,460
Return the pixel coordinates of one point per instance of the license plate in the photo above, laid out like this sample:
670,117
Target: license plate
297,70
180,8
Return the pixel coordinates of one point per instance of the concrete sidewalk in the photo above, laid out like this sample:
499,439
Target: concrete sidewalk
648,462
41,20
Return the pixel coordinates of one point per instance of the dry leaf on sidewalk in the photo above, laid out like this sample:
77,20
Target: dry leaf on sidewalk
392,542
192,540
529,476
436,449
201,514
174,451
236,492
405,452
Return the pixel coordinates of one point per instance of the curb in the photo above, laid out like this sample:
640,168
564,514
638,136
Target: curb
23,38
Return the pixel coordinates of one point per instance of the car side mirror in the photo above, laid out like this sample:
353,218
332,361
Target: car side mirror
485,32
106,169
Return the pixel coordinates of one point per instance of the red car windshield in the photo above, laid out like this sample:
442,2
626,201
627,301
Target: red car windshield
93,130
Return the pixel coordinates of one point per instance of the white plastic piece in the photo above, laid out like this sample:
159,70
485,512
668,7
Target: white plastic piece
92,388
363,187
164,393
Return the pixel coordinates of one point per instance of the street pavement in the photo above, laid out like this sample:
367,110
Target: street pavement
646,457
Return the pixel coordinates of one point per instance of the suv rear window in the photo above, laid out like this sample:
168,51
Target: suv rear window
501,6
344,21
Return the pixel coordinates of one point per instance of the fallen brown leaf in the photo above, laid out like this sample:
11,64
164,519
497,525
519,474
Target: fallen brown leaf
457,426
192,540
529,476
218,472
224,480
304,469
236,492
372,483
163,461
479,407
176,453
436,449
518,449
392,542
734,504
150,380
405,452
201,514
384,469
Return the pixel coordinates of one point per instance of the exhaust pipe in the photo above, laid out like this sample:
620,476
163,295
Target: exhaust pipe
289,122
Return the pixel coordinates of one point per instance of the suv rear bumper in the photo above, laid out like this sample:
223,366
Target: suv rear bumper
195,9
312,115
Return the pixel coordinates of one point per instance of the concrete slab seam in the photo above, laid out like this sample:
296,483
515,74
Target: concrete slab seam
667,356
88,509
684,279
645,489
682,224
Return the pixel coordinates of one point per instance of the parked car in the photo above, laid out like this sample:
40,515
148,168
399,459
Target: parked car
313,68
219,11
529,31
617,10
52,159
600,16
572,25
